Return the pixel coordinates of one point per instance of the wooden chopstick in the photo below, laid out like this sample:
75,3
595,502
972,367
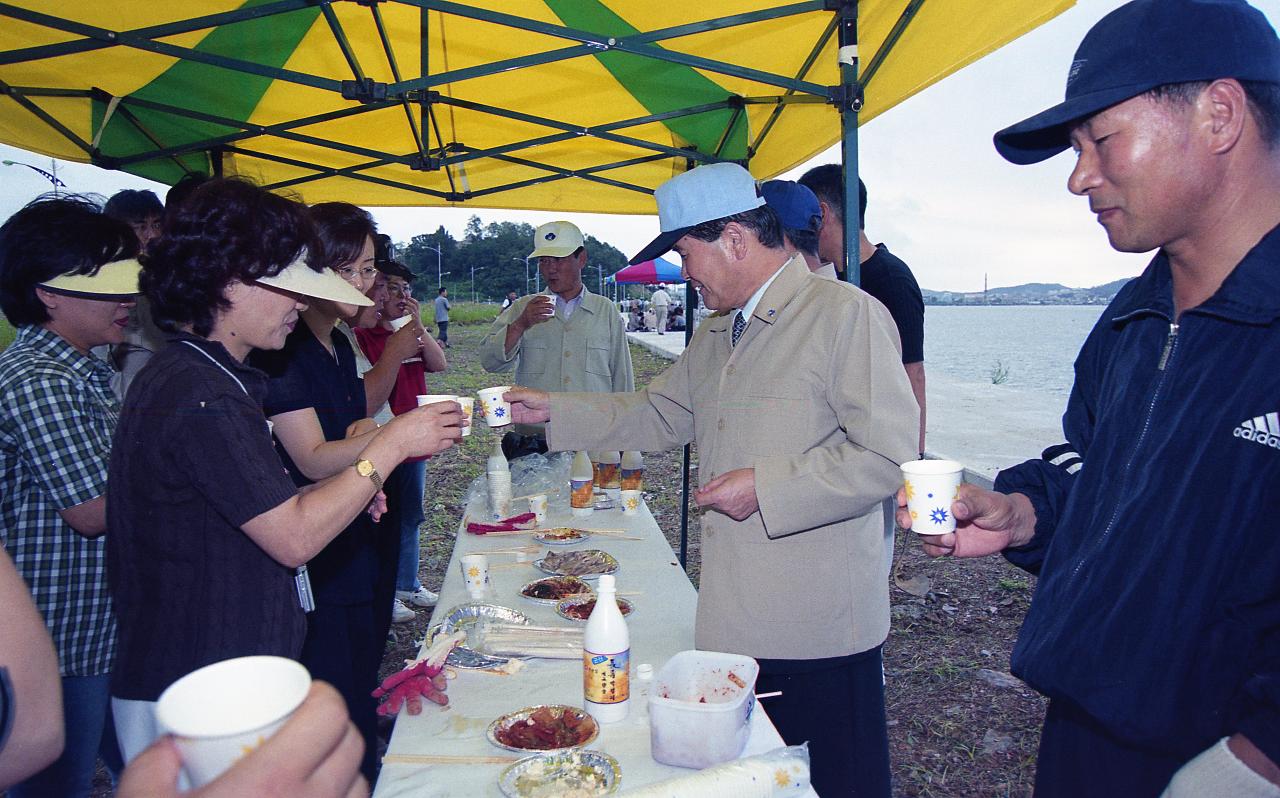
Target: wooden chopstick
443,759
547,493
503,565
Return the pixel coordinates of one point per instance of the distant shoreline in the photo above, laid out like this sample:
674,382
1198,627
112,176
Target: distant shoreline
932,303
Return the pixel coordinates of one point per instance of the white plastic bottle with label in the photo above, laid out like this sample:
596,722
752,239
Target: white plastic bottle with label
606,658
581,497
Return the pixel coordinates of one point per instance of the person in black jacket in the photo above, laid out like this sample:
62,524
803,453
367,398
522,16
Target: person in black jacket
1155,627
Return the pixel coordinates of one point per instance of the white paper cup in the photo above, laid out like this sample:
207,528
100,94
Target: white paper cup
538,506
931,487
468,409
475,574
496,412
631,501
223,711
397,324
433,398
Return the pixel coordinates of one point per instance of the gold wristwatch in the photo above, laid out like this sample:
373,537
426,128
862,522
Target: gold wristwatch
365,469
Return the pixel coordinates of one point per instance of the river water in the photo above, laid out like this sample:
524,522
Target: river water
1034,345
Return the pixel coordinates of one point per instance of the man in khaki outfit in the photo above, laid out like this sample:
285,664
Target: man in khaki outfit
534,331
797,399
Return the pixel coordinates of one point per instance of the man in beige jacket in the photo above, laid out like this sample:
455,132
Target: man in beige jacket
797,399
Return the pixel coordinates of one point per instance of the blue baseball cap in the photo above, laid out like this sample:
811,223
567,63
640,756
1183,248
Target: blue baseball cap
796,205
699,195
1142,45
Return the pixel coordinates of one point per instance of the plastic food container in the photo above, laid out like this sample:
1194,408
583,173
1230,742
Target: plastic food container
700,708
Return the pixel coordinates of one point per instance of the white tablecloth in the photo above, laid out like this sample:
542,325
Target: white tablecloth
660,626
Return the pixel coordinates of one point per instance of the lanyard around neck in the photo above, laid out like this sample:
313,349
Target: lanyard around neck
219,365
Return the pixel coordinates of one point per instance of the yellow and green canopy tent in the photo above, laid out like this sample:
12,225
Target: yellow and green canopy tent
571,105
575,105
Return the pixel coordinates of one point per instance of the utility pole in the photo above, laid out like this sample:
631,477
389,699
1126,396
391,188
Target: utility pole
439,260
526,271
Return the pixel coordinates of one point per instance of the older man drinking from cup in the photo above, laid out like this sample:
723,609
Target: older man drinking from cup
801,411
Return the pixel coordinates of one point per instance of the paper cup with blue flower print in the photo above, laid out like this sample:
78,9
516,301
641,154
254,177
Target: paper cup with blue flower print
931,487
220,713
496,410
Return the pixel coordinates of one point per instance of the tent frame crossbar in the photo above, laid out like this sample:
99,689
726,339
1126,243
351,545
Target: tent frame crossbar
423,92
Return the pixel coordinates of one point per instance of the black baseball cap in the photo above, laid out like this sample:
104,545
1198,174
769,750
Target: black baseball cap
383,260
1142,45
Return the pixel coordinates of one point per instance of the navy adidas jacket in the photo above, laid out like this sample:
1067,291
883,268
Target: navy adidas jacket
1158,526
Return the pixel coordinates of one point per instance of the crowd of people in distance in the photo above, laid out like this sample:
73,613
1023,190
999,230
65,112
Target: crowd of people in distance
647,315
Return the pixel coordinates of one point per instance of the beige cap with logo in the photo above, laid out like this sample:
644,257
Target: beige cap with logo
556,240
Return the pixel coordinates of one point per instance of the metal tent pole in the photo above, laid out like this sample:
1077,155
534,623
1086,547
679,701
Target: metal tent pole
690,303
849,101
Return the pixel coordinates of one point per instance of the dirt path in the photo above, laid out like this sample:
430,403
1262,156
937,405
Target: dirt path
952,733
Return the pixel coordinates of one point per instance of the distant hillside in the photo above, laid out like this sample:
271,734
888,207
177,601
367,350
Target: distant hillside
1028,294
1030,289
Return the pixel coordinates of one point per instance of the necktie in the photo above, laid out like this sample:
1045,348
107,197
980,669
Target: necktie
739,324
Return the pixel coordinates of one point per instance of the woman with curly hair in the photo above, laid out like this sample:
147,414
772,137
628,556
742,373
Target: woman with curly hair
318,405
207,528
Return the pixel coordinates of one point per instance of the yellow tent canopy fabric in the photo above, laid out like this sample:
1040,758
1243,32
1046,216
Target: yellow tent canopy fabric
574,105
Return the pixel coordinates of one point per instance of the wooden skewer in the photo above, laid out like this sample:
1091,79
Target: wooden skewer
443,759
530,549
547,493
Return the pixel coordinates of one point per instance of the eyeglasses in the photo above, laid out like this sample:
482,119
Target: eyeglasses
349,273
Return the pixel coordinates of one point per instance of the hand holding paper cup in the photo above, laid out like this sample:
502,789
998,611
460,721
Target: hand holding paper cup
223,711
931,487
396,324
433,398
495,409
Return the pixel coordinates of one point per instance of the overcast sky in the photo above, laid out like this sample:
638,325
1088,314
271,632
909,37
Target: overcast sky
940,196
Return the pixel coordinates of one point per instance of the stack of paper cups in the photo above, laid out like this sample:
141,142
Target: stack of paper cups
500,494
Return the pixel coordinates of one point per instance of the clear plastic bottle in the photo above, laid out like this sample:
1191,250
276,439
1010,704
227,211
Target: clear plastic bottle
499,484
606,658
581,498
644,685
632,471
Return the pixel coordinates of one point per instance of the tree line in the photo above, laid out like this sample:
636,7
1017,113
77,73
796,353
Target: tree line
495,255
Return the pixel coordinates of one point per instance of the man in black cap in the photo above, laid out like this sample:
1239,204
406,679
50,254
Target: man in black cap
1155,627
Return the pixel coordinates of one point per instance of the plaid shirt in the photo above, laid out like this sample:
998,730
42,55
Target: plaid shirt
57,415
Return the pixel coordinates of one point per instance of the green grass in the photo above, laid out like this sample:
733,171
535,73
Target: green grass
463,313
7,334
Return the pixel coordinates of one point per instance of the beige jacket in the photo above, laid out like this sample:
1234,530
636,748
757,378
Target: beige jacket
815,399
